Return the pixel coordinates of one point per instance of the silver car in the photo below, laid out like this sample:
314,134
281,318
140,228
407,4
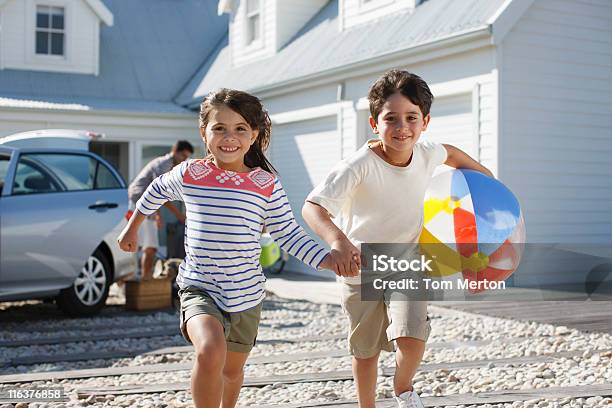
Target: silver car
61,209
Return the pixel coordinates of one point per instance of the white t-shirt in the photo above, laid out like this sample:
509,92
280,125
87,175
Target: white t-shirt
373,201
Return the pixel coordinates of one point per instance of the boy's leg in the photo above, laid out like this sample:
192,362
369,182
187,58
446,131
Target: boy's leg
410,329
233,376
206,334
367,324
408,357
365,371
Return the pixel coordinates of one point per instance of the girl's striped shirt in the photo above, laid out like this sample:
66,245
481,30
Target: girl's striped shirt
226,214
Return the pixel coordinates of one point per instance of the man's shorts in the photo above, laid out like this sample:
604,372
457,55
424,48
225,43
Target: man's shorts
240,328
147,234
375,324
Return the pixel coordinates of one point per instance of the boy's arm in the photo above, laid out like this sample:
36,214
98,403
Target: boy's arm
458,159
344,255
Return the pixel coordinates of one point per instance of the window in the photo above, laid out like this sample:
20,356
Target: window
104,178
32,177
50,31
44,173
5,160
253,21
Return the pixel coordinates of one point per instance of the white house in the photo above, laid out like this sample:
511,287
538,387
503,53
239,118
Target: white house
524,86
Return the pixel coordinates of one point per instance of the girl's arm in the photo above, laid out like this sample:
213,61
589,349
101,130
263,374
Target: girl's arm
167,187
458,159
128,238
290,236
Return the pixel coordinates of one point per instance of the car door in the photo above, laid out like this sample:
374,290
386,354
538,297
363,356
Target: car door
60,207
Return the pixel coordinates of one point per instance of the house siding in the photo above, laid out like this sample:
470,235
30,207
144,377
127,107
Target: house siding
556,140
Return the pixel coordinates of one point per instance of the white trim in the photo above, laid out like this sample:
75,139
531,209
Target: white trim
497,114
476,120
132,160
506,17
298,115
456,43
101,11
373,4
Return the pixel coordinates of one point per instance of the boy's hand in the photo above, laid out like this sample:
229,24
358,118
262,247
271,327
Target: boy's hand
345,258
128,240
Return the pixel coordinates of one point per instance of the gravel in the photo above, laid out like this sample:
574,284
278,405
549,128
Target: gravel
291,319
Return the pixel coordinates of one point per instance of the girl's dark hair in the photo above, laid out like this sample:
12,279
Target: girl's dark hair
251,109
408,84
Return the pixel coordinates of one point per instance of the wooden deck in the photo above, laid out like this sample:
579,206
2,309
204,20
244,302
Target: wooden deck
588,316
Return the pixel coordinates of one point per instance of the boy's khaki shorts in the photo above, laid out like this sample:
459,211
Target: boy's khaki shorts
375,324
240,328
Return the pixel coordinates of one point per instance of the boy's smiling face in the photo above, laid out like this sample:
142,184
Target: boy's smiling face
399,126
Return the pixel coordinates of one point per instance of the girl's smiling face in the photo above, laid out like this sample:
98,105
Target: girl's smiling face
399,125
228,138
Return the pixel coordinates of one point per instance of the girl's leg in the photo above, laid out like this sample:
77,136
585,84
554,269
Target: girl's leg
233,376
206,334
408,357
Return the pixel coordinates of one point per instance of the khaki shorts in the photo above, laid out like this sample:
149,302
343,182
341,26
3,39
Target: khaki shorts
375,324
240,328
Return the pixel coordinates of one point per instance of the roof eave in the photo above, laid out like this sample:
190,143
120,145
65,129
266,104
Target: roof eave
103,13
474,38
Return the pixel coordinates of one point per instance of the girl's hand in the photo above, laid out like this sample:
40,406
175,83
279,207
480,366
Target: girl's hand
327,263
128,240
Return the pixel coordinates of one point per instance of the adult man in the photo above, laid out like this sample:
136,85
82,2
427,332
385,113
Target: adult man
148,238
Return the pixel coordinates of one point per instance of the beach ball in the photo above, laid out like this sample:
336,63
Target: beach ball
472,225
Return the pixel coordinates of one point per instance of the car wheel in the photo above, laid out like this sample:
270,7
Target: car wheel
88,293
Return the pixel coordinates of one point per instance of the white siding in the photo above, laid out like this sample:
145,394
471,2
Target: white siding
556,143
81,38
355,12
303,153
487,94
243,53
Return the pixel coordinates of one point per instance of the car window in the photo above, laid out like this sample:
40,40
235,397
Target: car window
4,165
105,179
76,172
32,177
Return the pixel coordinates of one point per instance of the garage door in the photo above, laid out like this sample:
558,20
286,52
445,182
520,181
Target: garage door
452,123
303,153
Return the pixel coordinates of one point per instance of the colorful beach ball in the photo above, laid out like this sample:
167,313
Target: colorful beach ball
472,225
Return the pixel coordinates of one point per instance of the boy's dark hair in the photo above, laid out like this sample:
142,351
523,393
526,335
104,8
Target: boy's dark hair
408,84
181,145
251,109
